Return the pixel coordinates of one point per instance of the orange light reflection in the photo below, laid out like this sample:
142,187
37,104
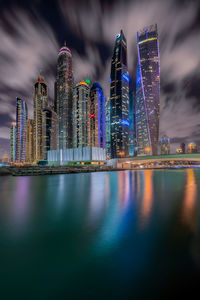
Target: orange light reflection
189,199
147,197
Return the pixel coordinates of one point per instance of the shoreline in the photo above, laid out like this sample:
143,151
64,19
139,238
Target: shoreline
49,170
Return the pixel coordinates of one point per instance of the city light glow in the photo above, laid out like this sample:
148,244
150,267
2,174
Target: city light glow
126,77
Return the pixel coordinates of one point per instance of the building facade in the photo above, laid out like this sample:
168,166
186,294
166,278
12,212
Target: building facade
147,91
80,114
119,99
107,109
192,148
30,154
165,146
131,121
13,142
96,117
40,102
49,131
64,98
21,121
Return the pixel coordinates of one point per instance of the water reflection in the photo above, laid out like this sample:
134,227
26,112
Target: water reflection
123,188
147,197
189,204
97,194
20,204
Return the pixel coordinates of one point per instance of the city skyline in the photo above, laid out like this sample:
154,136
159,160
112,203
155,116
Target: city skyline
175,89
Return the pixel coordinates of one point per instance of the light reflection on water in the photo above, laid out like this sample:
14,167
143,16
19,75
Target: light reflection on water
189,203
147,197
100,228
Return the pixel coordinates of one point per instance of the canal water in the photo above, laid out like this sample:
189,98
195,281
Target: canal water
107,235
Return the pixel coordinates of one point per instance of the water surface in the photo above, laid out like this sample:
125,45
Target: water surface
117,235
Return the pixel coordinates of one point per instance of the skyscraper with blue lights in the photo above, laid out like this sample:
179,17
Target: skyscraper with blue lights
119,99
131,121
21,121
147,91
96,118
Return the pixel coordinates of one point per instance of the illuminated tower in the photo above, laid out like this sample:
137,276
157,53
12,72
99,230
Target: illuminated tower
30,141
165,145
64,97
13,142
148,91
107,108
21,120
119,99
131,121
49,131
96,118
40,102
80,114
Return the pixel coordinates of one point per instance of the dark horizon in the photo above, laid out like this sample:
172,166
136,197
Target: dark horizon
32,34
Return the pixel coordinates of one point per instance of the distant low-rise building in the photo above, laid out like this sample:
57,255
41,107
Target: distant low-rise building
165,145
192,148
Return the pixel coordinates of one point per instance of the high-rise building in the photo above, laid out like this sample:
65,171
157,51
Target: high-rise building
64,98
165,145
30,141
13,142
96,117
107,108
131,121
40,102
55,96
119,99
148,91
21,120
49,131
80,114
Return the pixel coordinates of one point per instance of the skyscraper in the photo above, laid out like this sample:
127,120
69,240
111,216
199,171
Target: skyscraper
30,141
165,145
119,99
131,122
148,91
96,117
80,114
21,120
107,108
13,142
49,131
64,97
40,102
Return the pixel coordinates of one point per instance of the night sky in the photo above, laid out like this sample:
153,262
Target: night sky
31,33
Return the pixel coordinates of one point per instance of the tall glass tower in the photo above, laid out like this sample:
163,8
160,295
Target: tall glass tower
30,150
21,121
80,114
40,102
96,118
49,131
64,98
13,142
119,99
148,91
107,108
131,121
